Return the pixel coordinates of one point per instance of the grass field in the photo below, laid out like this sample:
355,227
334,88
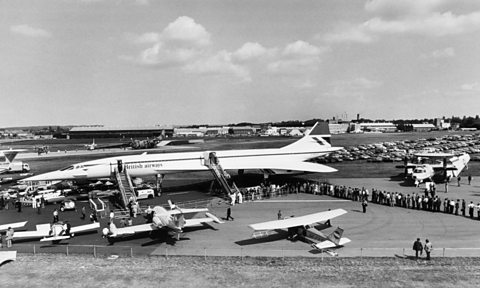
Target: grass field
78,271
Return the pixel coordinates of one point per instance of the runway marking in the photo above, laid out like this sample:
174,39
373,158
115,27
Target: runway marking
300,201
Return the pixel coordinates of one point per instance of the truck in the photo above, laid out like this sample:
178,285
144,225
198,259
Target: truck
14,167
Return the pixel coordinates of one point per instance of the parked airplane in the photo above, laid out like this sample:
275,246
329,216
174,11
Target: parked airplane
92,146
306,228
9,166
286,159
172,220
55,232
435,166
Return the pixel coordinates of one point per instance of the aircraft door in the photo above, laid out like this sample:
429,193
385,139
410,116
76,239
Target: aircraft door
119,165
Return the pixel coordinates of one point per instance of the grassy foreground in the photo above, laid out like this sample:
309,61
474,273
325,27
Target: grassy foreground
82,271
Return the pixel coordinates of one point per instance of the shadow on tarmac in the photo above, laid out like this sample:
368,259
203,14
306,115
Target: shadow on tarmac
279,235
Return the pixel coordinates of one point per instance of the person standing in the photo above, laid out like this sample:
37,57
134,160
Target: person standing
279,214
470,209
39,206
84,214
364,205
418,248
464,207
428,248
55,216
9,236
469,179
229,214
458,180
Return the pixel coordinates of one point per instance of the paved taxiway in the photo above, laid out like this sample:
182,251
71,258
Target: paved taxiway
382,231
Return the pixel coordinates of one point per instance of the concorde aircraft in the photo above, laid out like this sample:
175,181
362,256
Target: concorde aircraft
288,158
443,166
171,220
306,228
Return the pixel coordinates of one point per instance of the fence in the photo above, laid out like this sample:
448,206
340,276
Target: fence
170,251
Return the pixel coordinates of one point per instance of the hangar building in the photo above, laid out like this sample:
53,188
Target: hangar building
119,132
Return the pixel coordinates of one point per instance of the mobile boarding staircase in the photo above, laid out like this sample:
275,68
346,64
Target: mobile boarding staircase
127,192
220,175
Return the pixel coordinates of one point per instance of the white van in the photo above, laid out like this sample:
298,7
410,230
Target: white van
145,193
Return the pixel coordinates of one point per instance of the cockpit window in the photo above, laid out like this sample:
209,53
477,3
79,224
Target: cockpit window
67,168
418,170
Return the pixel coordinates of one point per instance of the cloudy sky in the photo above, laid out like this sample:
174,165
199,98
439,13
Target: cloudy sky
145,62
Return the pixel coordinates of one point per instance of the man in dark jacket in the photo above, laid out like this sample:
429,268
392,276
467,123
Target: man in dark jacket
418,248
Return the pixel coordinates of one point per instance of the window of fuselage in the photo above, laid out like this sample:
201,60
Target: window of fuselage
67,168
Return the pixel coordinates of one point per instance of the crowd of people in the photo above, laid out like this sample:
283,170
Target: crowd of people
427,201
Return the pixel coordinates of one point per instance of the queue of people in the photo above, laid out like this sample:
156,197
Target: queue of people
427,201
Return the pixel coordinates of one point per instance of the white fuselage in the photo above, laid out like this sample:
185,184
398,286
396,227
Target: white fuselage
165,163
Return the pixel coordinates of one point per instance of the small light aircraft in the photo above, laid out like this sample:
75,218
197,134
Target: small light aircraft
306,228
442,166
173,220
92,146
55,232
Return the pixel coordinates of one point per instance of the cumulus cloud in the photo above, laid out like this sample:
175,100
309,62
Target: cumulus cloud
29,31
177,44
187,46
475,87
298,57
441,53
433,18
218,64
251,51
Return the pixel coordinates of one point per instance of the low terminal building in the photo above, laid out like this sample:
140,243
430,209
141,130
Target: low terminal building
373,127
420,127
89,132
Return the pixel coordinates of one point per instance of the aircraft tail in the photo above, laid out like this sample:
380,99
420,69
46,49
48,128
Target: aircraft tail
10,155
318,137
335,236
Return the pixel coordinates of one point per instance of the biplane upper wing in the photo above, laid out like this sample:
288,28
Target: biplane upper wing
298,221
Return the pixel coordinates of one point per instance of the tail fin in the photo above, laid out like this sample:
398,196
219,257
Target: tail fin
318,136
335,236
10,155
171,205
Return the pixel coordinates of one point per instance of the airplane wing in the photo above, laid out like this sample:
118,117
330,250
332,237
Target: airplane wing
329,244
199,221
187,211
54,238
43,230
14,226
298,221
84,228
130,230
276,164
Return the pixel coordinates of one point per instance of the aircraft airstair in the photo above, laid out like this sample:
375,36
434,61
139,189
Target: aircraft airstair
125,186
221,176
